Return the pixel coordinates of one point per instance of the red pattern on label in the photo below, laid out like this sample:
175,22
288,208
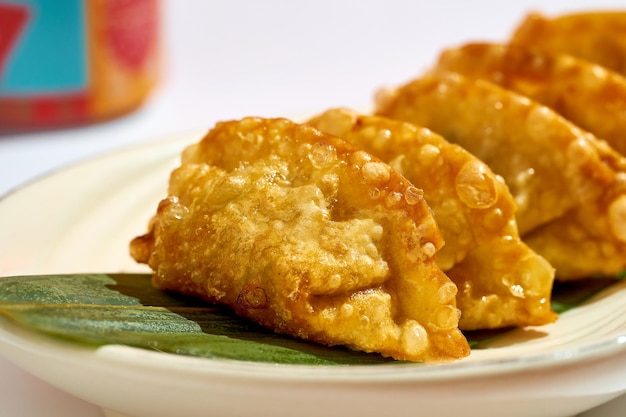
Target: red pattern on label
13,18
44,111
132,30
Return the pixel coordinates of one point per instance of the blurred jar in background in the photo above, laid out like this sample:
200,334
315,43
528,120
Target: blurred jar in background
68,62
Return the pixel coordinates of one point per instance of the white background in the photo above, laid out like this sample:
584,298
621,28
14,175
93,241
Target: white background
229,59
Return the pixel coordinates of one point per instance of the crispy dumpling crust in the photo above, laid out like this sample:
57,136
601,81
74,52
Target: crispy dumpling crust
598,37
585,93
308,235
590,240
549,165
501,281
552,167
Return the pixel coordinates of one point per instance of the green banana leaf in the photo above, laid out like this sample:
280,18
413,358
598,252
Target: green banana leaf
100,309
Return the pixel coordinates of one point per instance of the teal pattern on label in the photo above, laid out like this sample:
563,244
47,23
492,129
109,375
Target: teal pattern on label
49,56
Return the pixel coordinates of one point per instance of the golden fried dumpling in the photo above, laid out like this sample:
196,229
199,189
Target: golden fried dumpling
598,37
585,93
308,235
551,166
589,240
501,281
547,163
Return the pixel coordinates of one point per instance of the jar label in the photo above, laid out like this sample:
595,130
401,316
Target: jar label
42,56
75,61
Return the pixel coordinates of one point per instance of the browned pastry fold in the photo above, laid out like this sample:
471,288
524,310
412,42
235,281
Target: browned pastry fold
501,281
308,235
585,93
598,37
554,169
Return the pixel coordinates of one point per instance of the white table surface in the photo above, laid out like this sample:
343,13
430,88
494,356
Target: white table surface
230,59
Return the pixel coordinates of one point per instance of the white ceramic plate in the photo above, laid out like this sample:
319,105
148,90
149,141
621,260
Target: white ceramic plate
81,220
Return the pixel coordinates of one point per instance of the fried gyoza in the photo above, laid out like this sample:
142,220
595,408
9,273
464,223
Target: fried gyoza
553,169
501,281
598,37
588,241
587,94
537,153
591,239
308,235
